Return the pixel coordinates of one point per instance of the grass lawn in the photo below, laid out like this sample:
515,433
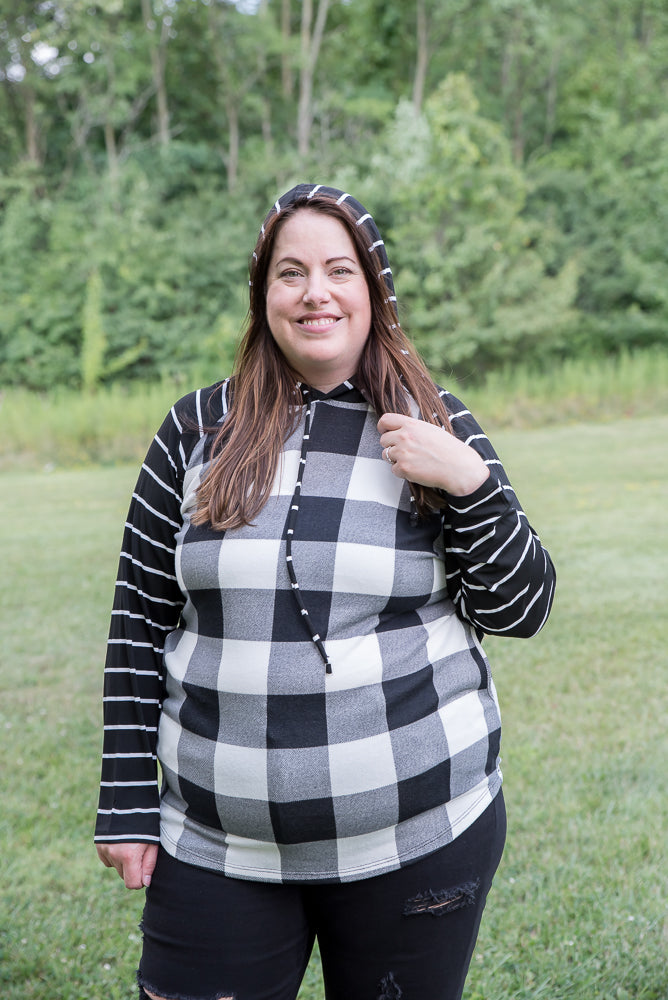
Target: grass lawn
579,907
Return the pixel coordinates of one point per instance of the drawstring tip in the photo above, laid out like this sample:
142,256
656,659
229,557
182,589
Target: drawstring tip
413,519
328,667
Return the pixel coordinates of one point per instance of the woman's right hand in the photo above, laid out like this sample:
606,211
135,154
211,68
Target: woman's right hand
133,862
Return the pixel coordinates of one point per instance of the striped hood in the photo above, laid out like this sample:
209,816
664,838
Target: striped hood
375,244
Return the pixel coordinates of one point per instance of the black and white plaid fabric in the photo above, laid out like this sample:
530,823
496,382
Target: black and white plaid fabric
274,768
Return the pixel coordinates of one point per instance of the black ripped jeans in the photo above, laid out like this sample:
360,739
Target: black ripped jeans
408,934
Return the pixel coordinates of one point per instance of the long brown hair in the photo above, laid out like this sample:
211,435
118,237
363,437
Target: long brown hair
266,401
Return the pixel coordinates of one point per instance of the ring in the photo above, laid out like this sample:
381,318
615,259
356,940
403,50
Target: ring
387,454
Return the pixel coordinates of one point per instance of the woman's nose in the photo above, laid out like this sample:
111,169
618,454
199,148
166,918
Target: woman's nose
317,289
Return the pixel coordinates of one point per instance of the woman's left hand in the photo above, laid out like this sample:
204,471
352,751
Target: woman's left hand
426,454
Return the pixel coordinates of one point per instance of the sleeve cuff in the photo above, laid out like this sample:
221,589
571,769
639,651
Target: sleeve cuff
490,493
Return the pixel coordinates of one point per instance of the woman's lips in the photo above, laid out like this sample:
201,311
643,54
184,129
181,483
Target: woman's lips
318,322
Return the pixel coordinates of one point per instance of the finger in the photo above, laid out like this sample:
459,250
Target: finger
103,856
149,863
131,873
392,422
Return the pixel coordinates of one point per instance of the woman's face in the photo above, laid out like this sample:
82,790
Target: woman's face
317,300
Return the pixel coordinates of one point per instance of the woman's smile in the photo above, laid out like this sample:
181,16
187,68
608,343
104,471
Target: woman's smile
319,322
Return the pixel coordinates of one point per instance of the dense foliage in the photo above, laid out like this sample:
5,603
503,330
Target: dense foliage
512,151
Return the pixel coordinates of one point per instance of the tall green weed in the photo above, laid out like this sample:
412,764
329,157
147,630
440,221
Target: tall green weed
67,428
574,390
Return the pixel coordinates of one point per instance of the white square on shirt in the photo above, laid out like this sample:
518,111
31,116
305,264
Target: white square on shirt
373,481
259,858
357,854
248,563
464,722
446,636
440,580
356,662
360,765
244,666
192,479
240,772
168,742
363,569
178,659
287,474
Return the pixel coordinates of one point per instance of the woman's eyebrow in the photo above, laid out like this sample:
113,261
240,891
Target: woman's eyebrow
288,260
330,260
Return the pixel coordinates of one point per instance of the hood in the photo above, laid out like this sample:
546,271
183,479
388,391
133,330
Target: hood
359,213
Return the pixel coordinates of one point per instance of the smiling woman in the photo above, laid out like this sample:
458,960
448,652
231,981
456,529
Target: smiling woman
313,551
318,306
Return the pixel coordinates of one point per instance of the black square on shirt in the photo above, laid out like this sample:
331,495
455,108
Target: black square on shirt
199,712
296,720
424,791
201,804
349,428
399,613
419,537
301,822
209,612
289,624
319,519
411,698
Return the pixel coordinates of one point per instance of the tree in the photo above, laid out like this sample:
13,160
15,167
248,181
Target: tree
311,39
139,144
608,198
435,23
26,66
158,49
469,266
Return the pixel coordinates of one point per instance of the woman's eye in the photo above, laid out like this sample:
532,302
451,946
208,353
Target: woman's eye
290,272
342,270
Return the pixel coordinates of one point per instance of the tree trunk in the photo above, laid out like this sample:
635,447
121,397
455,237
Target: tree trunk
311,40
551,98
518,134
265,104
112,152
232,145
158,60
643,30
31,126
287,75
422,55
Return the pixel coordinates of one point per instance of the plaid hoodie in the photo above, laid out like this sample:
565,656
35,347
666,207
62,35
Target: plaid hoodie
312,686
273,768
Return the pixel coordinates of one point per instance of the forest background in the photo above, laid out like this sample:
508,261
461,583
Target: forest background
513,152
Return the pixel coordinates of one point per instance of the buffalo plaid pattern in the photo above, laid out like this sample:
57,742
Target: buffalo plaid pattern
272,767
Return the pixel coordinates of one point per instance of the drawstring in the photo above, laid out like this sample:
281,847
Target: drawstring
290,530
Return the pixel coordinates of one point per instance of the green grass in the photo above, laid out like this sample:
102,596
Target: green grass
578,909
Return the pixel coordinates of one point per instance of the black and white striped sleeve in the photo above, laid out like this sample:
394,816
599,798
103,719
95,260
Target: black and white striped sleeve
499,576
147,606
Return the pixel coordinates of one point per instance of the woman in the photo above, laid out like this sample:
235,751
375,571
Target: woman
313,552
